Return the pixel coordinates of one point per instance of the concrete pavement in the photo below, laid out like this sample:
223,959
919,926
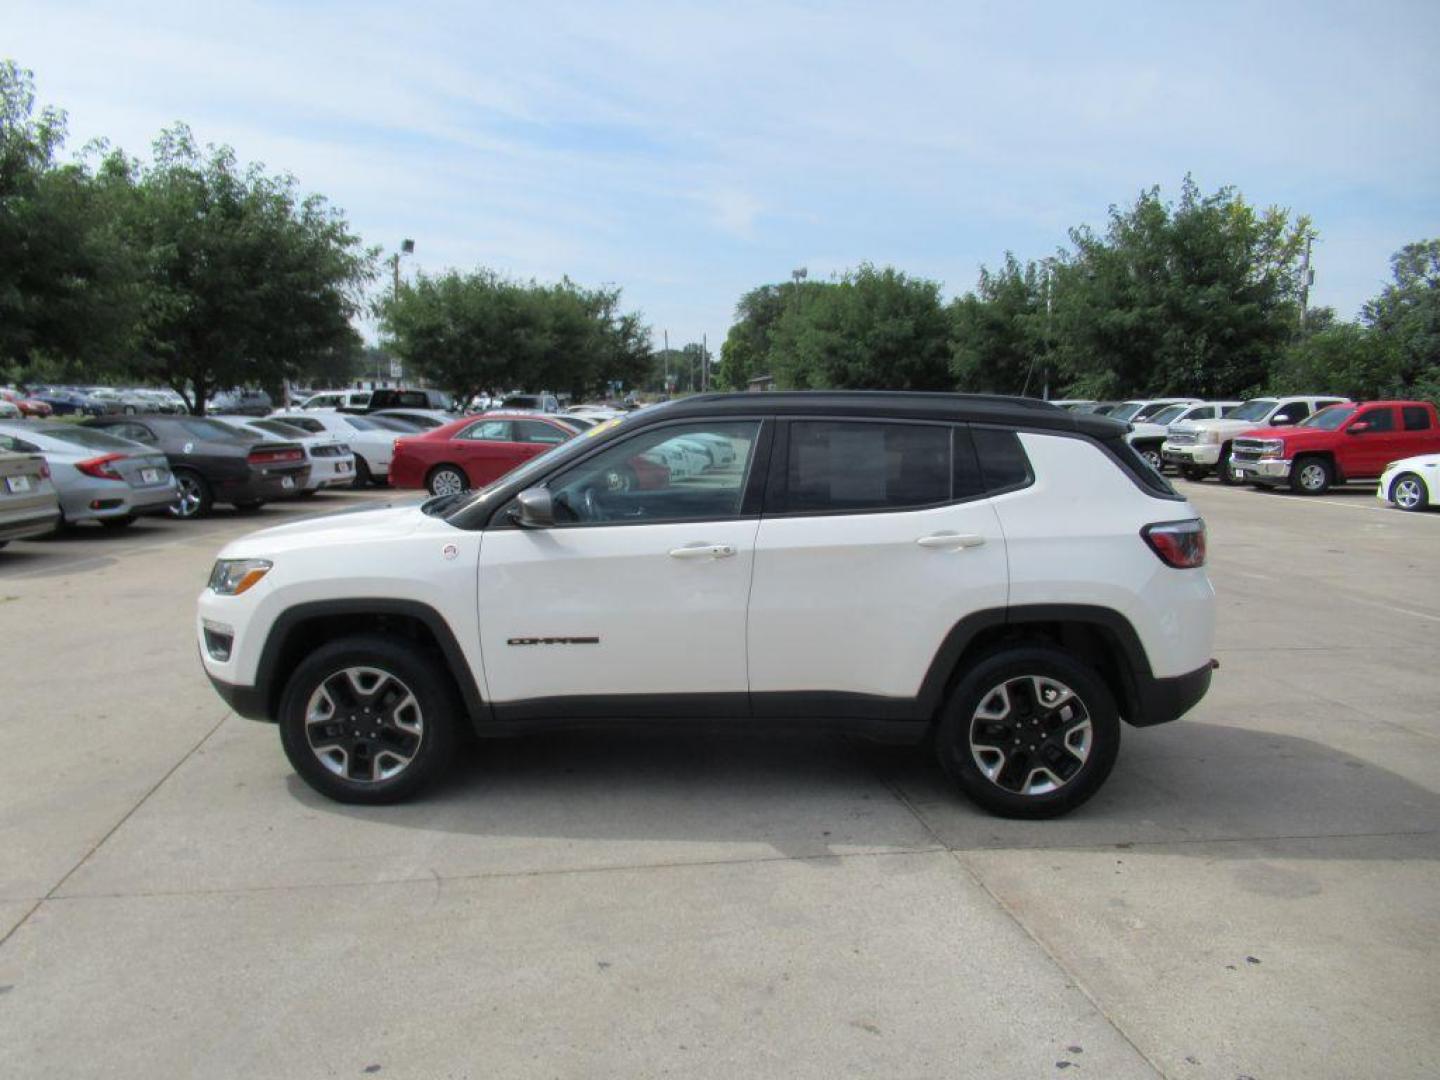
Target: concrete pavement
1254,893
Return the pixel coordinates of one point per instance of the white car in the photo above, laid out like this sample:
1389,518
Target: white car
1199,447
332,464
1411,483
904,566
1148,436
9,410
333,399
372,442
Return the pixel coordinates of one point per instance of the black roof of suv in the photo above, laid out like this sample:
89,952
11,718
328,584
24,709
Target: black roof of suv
972,408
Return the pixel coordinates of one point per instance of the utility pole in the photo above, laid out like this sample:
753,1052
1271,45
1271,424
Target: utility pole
667,363
407,247
704,364
1307,278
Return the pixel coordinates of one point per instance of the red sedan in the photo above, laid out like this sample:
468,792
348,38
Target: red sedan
28,406
472,452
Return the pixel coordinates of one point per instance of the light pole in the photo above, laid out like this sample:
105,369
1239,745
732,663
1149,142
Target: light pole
407,247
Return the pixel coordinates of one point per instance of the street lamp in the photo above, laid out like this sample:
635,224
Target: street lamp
407,247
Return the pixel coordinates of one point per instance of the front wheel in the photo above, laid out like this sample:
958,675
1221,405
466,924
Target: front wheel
1311,476
1226,471
1194,473
1030,732
1408,492
369,719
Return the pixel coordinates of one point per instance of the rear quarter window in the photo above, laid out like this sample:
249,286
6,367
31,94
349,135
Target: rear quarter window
1003,464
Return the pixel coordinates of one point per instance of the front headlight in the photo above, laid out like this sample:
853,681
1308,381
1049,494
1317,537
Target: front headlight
1272,448
1210,438
231,577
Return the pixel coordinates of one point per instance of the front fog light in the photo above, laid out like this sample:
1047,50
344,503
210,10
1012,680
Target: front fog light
231,577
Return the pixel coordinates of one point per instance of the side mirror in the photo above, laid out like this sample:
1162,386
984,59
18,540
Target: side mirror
534,509
1358,428
1281,420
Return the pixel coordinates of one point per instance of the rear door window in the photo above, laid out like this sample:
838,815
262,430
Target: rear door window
851,466
1417,418
1003,463
1378,419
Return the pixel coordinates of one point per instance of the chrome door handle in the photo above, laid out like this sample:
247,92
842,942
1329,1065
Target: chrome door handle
950,541
703,551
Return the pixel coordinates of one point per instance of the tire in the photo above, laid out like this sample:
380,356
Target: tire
362,474
196,499
1408,492
1003,686
446,480
1223,471
421,727
1311,476
1194,473
115,524
1151,454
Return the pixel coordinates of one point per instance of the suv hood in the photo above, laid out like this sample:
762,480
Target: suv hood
342,527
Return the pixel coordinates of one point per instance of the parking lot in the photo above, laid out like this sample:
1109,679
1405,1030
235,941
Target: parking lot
1253,894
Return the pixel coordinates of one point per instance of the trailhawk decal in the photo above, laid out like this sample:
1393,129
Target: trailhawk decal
553,641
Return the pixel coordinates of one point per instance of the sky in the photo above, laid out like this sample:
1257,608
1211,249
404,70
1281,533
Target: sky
688,152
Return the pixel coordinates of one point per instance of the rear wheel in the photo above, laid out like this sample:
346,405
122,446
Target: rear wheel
195,498
446,480
1311,476
1408,492
362,473
1030,732
369,719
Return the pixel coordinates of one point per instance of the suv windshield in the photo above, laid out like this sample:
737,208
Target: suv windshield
1254,409
1329,419
1168,414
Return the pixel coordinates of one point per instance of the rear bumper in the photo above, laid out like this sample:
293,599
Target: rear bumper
100,500
266,486
32,524
1162,700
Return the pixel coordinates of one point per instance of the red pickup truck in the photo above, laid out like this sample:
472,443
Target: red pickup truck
1341,443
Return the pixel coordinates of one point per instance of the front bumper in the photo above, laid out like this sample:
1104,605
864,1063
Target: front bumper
1202,454
1264,471
246,701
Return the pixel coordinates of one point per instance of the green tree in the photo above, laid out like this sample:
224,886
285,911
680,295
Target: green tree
1340,359
478,331
1199,297
247,283
1406,315
67,282
999,331
745,353
873,329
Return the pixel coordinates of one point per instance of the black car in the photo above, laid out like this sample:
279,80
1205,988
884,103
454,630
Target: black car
395,398
215,462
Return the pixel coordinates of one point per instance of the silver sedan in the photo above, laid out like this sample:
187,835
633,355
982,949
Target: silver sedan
99,477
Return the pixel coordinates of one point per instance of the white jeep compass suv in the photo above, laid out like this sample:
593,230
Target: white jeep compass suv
1006,575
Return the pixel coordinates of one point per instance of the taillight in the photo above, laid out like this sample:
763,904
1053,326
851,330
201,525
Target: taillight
102,467
44,470
274,457
1180,544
